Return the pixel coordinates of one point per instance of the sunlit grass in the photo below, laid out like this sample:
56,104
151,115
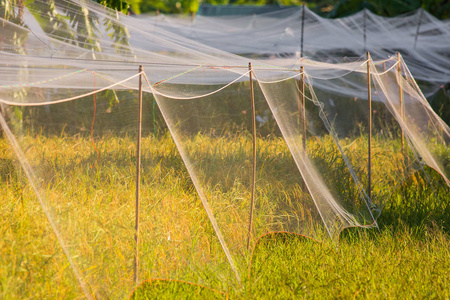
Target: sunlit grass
92,202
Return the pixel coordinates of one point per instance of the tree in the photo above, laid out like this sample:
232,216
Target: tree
124,6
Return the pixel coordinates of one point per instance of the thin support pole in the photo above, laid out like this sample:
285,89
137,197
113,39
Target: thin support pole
303,30
138,179
1,117
92,126
299,116
418,28
302,88
369,98
252,200
364,29
400,96
154,116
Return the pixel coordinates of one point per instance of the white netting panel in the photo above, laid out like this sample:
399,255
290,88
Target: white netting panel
68,99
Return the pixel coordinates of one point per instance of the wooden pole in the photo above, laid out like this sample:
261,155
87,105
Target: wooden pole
418,28
303,30
138,179
369,98
364,26
302,87
1,116
298,84
400,95
252,200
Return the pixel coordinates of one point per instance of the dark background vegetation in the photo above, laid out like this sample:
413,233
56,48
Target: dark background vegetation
325,8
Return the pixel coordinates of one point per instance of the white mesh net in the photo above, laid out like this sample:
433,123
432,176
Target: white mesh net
288,34
69,95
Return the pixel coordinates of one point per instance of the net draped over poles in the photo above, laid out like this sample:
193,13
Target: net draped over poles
422,39
69,108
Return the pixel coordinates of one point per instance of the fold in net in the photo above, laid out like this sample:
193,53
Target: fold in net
426,133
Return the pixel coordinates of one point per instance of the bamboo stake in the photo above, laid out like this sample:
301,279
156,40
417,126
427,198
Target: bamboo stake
302,86
1,116
400,94
252,201
418,28
138,179
303,30
364,26
369,97
299,116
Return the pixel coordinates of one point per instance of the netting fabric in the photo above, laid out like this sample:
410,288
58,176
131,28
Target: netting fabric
229,151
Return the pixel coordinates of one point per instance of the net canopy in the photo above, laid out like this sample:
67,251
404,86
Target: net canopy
287,34
229,151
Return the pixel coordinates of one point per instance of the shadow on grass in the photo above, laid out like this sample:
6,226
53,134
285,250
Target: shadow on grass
413,228
422,201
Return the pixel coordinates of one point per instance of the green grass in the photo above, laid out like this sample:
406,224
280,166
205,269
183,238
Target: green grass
395,264
92,203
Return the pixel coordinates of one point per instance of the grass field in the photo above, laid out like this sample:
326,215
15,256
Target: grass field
92,204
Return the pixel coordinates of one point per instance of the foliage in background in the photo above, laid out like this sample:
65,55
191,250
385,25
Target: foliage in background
132,6
325,8
389,8
440,102
173,6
